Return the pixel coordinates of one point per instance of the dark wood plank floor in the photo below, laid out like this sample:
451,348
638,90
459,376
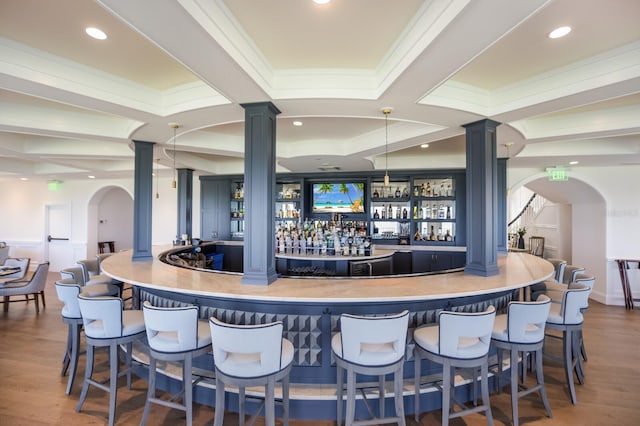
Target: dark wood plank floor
32,390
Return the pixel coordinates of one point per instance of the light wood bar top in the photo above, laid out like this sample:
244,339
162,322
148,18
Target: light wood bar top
517,270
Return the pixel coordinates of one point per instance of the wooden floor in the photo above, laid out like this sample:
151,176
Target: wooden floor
32,392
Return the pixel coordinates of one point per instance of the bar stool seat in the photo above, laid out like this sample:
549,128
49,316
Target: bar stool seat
369,345
251,355
461,340
106,324
174,334
521,331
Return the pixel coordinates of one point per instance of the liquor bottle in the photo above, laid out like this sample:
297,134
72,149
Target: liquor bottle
448,212
416,191
441,212
434,211
423,190
398,193
405,192
428,189
384,212
404,213
376,215
389,212
398,212
448,236
432,234
440,236
375,193
442,194
449,193
417,236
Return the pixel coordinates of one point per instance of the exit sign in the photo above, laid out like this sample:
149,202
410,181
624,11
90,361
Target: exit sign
558,175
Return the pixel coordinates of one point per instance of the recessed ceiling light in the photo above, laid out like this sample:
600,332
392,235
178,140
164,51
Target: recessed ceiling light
96,33
424,145
573,163
321,1
24,178
297,123
560,32
91,177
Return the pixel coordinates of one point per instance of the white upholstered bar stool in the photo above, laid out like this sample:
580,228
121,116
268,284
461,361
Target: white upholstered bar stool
68,292
251,355
374,346
461,340
558,265
521,331
567,317
570,272
106,324
174,334
589,281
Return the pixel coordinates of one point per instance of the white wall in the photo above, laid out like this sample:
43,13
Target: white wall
115,219
619,223
22,215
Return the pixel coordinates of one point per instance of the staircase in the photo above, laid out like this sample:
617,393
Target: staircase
525,219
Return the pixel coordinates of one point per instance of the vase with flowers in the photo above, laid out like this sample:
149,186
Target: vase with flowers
521,232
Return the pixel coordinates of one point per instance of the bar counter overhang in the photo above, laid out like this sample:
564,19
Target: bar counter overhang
310,309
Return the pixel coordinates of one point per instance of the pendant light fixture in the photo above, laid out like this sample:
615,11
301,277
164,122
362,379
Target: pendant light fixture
174,126
386,111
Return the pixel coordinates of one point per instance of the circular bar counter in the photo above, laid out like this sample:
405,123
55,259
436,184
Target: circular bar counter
310,310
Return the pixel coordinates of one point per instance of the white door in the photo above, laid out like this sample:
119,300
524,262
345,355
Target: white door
58,249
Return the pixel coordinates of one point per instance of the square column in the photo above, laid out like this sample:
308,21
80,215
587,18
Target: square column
185,202
142,201
482,196
259,190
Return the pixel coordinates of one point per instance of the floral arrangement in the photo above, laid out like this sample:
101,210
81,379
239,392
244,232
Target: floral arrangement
522,231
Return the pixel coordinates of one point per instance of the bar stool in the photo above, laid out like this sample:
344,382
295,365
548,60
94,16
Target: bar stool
567,317
174,334
372,346
570,272
589,281
68,292
460,340
251,355
106,324
521,331
91,272
559,265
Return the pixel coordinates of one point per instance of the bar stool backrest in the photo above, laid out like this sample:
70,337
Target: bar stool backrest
101,316
570,272
526,320
171,329
574,301
583,279
89,268
75,273
465,334
68,292
246,350
369,340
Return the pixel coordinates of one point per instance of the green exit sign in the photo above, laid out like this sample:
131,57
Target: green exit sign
558,175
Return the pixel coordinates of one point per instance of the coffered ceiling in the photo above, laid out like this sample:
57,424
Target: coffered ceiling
70,105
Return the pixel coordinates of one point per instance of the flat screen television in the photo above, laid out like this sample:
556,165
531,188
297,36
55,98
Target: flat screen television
338,197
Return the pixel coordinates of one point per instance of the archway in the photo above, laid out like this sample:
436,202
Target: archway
581,219
110,218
